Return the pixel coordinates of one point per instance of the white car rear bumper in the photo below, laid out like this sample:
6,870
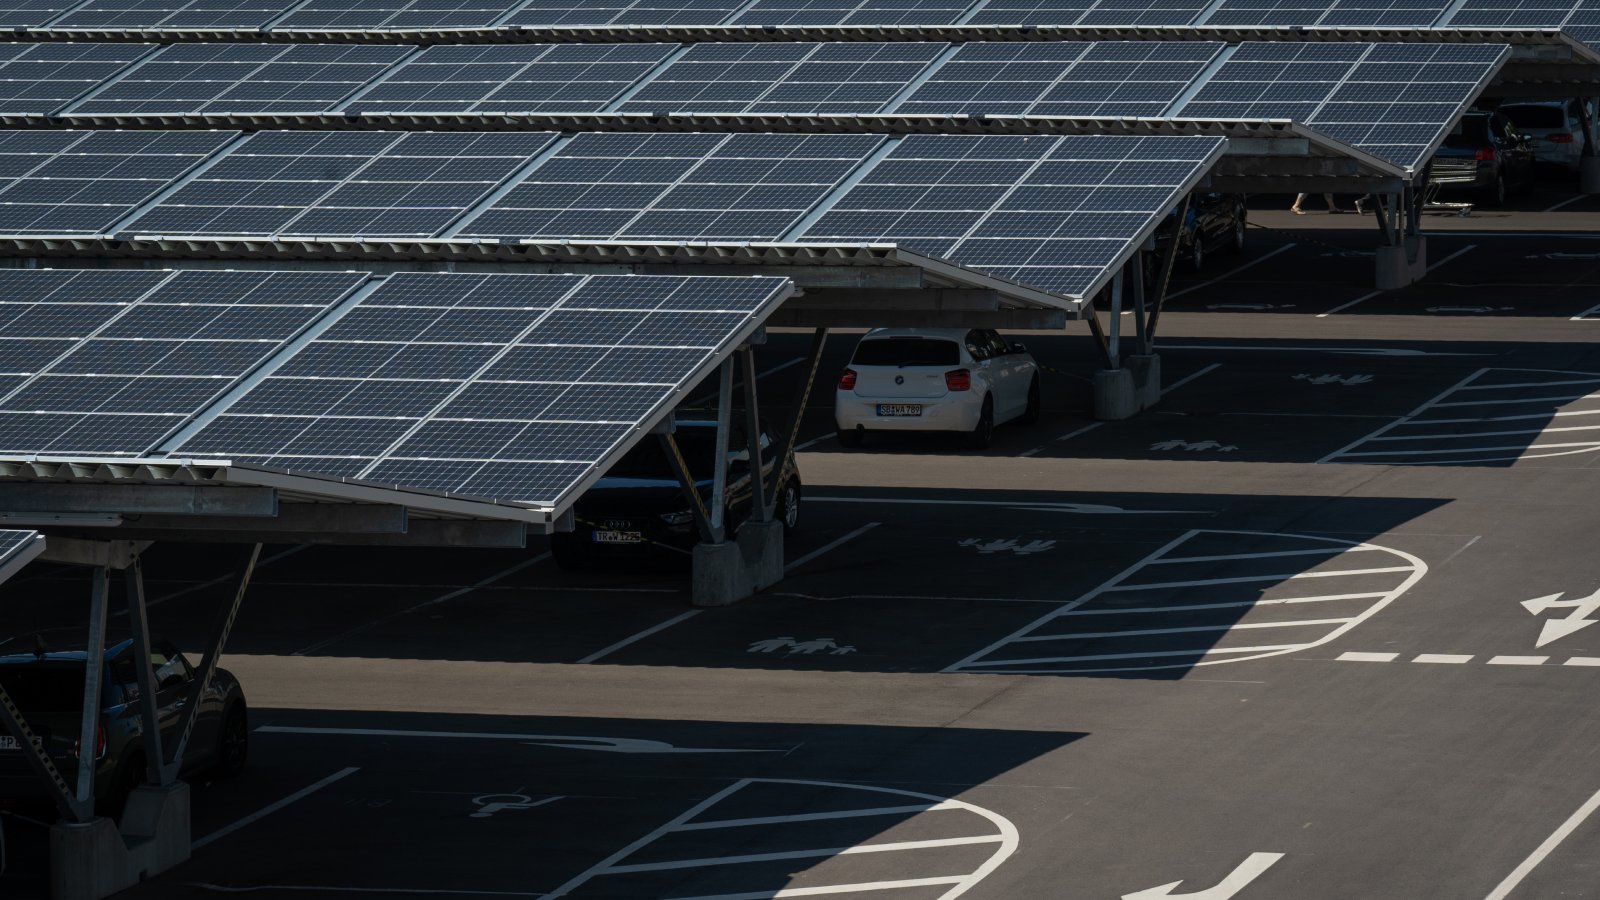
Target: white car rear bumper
953,412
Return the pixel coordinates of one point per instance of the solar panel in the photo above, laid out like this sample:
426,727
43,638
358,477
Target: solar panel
1392,100
114,360
1112,78
356,15
347,183
623,12
13,541
33,13
38,79
242,78
1512,13
512,387
104,15
785,78
853,12
675,186
1341,13
73,182
1088,12
1051,212
512,78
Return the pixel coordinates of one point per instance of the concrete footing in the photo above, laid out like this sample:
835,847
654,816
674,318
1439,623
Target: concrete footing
95,860
733,570
1398,267
1146,369
1589,174
1120,393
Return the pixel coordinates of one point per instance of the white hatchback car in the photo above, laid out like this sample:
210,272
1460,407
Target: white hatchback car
935,379
1554,129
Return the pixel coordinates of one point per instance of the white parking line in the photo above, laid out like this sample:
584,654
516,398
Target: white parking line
322,888
1567,202
857,888
1447,658
1352,656
442,598
1530,384
1065,437
1117,611
1245,579
1474,434
709,861
832,545
1504,888
814,441
1513,401
1315,551
1231,272
817,817
1365,297
1518,660
1187,629
599,654
268,810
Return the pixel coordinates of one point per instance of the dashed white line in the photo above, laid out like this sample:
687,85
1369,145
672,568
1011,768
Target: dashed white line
600,654
1518,660
1583,661
1444,658
1354,656
274,807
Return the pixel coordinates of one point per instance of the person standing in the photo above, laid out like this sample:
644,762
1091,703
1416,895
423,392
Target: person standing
1300,198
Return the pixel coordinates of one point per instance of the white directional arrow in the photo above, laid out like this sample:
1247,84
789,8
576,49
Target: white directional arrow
1556,629
1237,880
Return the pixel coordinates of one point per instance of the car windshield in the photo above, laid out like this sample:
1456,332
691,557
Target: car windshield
907,351
1535,116
1469,134
44,687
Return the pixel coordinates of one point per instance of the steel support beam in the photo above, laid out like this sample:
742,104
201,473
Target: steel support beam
1114,339
719,454
336,518
155,772
94,659
752,432
1164,273
1099,333
41,764
206,500
1009,319
208,668
797,414
76,552
925,299
680,470
1140,326
418,533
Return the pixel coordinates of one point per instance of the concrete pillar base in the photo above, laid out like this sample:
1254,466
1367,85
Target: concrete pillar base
1146,369
95,860
1401,266
733,570
1589,174
1114,394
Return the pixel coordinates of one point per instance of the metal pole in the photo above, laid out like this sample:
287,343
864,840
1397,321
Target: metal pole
208,667
797,412
1165,275
41,763
680,470
752,431
94,663
1098,333
134,576
1383,220
719,456
1140,331
1114,339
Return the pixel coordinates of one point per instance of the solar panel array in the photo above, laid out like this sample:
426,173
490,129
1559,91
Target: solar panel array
1112,78
367,183
675,187
512,78
173,14
1336,14
1052,212
1088,12
1393,100
84,182
623,12
242,78
106,363
38,79
13,541
505,386
853,12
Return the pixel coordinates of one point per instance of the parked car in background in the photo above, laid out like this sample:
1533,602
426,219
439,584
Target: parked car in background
935,379
1215,223
639,508
1484,153
1554,129
47,688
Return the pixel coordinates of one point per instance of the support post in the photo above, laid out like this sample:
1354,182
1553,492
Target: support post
797,412
1114,339
1164,276
1141,329
155,772
719,455
208,668
1589,161
1099,333
680,470
94,663
752,431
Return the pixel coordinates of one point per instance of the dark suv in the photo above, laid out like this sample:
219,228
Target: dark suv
1485,153
47,688
639,507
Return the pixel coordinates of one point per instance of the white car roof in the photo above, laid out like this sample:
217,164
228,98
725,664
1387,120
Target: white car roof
950,334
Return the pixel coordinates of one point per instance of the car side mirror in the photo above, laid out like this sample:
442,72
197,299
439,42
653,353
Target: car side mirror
1017,347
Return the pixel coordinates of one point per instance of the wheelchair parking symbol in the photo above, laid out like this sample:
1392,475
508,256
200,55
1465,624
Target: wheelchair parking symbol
489,804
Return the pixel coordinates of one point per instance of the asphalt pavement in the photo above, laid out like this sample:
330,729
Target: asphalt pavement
1285,636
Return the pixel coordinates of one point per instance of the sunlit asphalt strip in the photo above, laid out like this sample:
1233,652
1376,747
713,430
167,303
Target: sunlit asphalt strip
265,811
563,741
503,573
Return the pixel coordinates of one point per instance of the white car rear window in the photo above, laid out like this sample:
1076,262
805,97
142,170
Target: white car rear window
907,351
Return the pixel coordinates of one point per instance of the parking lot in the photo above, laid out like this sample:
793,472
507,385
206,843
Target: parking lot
1268,637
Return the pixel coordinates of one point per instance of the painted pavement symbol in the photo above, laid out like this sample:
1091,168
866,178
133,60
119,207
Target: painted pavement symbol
1557,628
1005,545
1194,446
805,648
1346,380
1576,662
1239,879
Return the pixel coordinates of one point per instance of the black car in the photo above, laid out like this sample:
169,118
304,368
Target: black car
1215,223
1484,153
638,507
47,688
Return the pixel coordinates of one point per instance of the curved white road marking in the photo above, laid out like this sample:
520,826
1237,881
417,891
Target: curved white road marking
1414,569
1004,836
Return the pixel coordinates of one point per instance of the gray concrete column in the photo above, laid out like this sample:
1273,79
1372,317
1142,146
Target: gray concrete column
728,571
1146,370
1114,394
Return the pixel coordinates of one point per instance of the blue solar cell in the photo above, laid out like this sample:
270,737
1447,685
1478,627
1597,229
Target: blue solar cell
517,78
577,13
40,79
